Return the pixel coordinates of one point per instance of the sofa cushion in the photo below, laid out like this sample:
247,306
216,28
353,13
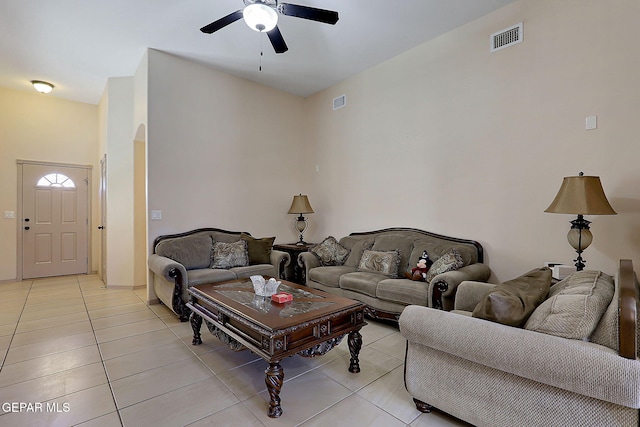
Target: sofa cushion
437,248
227,255
330,252
259,250
209,275
191,251
451,260
357,246
379,262
606,333
361,282
329,276
512,302
389,242
250,270
403,291
575,305
225,236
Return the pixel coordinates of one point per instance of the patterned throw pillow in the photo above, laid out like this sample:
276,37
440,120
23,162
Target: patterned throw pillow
330,252
450,261
228,255
386,263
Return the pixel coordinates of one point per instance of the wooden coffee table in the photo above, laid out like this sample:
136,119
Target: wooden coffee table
310,325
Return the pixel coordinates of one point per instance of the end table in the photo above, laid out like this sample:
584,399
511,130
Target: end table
293,271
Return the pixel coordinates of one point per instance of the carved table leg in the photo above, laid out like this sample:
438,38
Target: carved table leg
196,323
355,344
274,380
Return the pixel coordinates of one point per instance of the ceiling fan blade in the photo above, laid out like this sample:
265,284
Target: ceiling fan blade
320,15
277,41
222,22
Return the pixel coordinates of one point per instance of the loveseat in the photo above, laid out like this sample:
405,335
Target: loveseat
359,271
208,255
574,362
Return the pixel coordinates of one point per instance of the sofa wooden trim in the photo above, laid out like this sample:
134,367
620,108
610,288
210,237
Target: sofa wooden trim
426,233
179,306
628,316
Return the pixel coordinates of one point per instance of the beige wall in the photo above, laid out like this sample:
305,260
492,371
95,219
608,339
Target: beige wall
43,128
119,148
222,151
450,138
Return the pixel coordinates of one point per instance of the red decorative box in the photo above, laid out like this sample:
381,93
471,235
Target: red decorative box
281,297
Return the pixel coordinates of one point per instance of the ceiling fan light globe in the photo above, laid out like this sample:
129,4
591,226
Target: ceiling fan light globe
260,17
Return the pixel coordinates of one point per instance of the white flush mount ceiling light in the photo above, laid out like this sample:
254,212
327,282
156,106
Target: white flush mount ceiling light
42,87
260,17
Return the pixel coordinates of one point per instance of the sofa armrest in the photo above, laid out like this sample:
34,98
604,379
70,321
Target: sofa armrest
173,272
166,267
443,287
578,366
280,260
470,293
307,261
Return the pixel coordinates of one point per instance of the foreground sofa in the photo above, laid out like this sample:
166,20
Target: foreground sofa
491,374
187,259
387,295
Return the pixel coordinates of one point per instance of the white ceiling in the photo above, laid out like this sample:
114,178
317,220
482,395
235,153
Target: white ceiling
78,44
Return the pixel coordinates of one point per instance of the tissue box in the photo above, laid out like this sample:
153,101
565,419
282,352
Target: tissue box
281,297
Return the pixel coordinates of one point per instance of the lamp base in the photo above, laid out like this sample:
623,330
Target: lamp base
301,225
580,238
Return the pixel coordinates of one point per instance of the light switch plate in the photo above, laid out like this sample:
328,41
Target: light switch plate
156,215
9,215
591,123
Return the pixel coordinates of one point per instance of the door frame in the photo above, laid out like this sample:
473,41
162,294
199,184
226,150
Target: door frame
20,229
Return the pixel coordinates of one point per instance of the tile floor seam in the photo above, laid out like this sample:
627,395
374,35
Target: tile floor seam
104,367
6,354
328,408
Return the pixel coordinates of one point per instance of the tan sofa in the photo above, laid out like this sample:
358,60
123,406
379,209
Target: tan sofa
386,296
490,374
183,260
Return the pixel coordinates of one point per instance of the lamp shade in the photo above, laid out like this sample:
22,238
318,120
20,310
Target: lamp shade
300,205
260,17
581,195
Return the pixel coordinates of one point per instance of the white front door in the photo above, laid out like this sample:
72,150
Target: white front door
55,220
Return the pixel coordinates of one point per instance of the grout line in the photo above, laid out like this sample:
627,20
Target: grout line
104,367
6,354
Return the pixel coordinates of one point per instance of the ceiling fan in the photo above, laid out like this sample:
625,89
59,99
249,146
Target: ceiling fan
262,16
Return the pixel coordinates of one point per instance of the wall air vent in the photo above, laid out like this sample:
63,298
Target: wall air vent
339,102
505,38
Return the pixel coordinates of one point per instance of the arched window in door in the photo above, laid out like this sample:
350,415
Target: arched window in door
56,180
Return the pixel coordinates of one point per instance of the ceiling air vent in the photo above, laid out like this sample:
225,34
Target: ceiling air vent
505,38
339,102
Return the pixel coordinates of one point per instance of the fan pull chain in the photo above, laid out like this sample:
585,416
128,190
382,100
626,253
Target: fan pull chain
261,51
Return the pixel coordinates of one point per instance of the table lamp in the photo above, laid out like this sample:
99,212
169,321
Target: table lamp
300,205
580,195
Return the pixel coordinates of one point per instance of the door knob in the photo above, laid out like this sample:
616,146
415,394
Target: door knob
101,227
26,220
26,228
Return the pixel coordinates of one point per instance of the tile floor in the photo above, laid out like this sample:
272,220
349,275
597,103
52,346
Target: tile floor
75,353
